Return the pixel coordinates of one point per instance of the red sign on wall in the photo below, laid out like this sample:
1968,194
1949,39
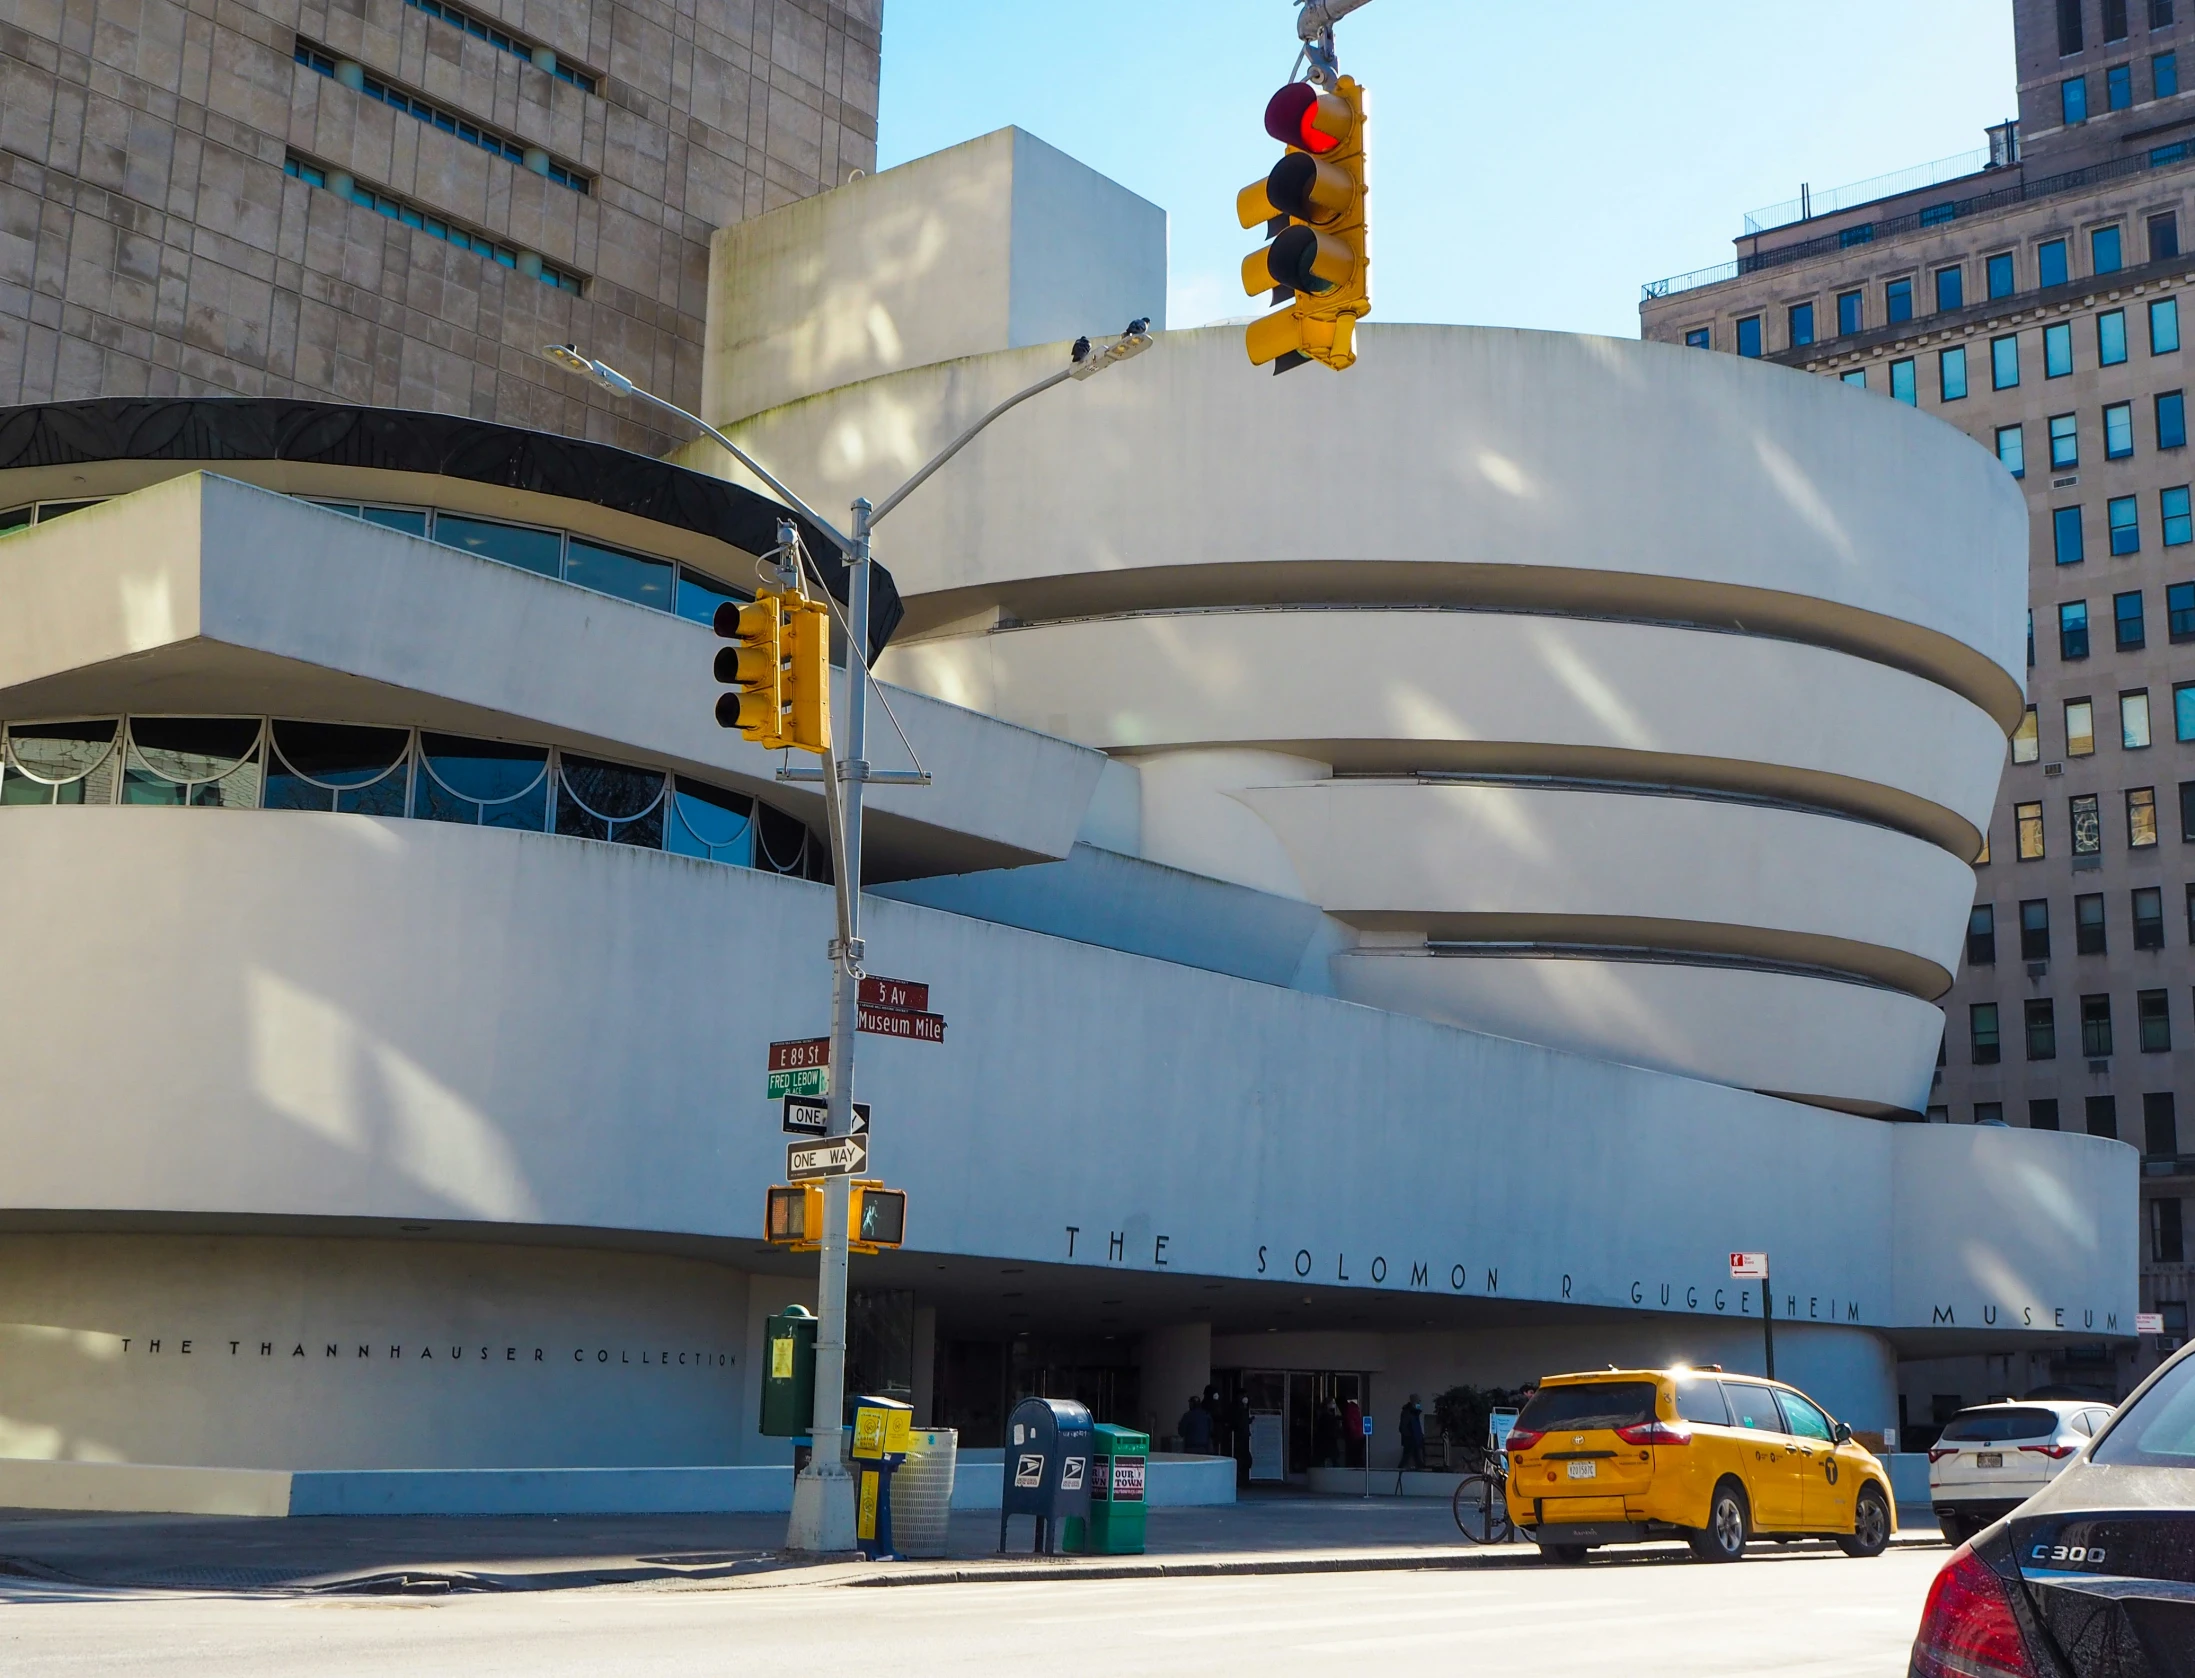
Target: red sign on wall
902,1022
791,1057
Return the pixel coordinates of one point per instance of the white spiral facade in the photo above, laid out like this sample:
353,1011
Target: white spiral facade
1639,703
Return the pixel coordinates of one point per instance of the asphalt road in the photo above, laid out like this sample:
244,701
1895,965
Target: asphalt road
1816,1615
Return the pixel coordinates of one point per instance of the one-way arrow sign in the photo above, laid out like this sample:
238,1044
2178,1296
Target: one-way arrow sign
806,1115
841,1156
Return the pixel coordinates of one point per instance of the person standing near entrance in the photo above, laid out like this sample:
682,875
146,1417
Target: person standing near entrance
1196,1428
1412,1430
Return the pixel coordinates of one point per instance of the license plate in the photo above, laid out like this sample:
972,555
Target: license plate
1581,1471
1989,1459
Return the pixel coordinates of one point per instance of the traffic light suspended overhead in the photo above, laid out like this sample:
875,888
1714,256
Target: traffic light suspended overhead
1312,207
778,671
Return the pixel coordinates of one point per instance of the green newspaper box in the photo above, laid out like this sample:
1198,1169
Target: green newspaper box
1119,1461
789,1374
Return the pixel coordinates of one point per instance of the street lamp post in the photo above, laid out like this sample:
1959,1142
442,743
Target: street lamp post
823,1495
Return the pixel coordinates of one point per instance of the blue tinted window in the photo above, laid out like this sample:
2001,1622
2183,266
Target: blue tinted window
2000,275
2058,350
2012,449
1950,288
1802,324
2118,430
711,823
1951,374
1901,382
482,783
2173,510
2065,524
2065,442
2183,716
2164,326
2004,361
2119,87
2050,266
1857,377
1859,235
699,596
645,582
2125,522
2164,75
2171,420
1935,215
1696,339
1898,301
1749,335
2073,630
1848,312
333,766
512,544
2126,621
2073,100
2111,338
2180,607
2103,251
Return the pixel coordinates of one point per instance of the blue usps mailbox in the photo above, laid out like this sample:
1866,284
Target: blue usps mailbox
1047,1467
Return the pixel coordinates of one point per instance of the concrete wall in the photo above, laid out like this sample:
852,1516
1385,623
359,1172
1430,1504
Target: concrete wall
995,244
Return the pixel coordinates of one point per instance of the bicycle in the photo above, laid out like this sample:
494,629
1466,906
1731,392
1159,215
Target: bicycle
1480,1506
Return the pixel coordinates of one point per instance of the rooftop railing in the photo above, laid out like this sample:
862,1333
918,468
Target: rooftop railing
1810,203
1928,215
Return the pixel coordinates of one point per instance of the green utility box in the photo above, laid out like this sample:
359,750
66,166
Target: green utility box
1119,1463
789,1374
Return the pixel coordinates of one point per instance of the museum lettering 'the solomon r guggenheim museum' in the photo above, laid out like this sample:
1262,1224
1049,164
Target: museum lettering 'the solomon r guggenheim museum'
1399,925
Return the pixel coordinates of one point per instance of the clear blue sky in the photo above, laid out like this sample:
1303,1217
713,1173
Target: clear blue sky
1532,164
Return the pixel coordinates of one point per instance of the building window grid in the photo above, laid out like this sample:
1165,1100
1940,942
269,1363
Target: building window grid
2122,516
2128,629
410,215
2171,408
2096,1026
2089,935
2119,431
2141,821
2080,728
2164,326
2058,350
2065,442
2148,907
2111,338
2027,827
2153,1021
1903,386
480,29
1983,1043
1951,374
2012,449
449,122
2073,630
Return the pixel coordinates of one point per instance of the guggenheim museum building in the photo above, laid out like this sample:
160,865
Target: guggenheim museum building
1420,866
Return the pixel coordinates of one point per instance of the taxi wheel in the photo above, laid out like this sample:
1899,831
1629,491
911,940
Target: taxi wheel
1870,1525
1729,1524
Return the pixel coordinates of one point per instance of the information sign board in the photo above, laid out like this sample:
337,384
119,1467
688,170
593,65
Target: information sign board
2149,1322
800,1068
1745,1266
903,994
807,1115
903,1022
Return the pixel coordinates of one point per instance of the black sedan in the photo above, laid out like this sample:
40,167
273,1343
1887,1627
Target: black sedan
2094,1576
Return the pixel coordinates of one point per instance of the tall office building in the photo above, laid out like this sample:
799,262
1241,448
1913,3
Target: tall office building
397,202
2033,296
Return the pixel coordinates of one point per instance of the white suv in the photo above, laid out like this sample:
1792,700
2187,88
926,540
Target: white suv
1994,1457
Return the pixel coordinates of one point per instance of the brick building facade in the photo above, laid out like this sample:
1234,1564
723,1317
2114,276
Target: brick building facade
2037,299
397,202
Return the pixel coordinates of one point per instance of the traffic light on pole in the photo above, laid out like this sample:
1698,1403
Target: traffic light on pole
753,667
1312,207
807,644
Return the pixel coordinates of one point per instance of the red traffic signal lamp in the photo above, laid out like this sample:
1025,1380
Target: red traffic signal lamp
778,671
1312,206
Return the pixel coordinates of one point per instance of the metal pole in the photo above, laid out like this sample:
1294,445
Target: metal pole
823,1497
1768,1323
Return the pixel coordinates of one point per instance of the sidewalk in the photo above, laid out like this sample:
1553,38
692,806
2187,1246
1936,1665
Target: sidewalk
1264,1533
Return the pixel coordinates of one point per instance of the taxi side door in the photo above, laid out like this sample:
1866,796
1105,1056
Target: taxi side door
1825,1489
1768,1457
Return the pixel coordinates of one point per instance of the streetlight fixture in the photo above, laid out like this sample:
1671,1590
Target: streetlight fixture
823,1496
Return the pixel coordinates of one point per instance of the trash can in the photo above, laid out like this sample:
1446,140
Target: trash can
881,1437
1047,1468
1119,1461
789,1374
922,1491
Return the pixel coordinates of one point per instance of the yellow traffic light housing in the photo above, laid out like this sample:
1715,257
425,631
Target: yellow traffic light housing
793,1216
1313,209
779,671
807,641
878,1217
753,667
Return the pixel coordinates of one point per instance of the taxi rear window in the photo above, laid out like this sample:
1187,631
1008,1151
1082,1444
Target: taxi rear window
1989,1427
1595,1404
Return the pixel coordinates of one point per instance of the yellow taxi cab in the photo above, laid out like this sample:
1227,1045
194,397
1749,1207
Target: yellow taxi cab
1632,1454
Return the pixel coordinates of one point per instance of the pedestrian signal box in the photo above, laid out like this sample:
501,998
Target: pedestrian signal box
876,1217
